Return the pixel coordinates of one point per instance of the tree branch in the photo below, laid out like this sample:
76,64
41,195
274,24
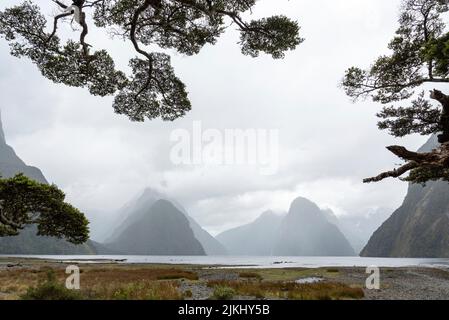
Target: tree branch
396,173
438,158
55,24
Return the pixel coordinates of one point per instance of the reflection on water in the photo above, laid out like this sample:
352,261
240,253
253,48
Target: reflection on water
253,262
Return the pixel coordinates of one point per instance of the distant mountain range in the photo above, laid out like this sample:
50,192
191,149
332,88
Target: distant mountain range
254,239
420,227
304,231
155,224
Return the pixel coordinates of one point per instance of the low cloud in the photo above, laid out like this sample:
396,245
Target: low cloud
327,144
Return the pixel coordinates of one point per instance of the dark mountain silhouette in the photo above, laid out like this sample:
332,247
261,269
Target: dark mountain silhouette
254,239
306,231
28,242
136,210
420,227
161,230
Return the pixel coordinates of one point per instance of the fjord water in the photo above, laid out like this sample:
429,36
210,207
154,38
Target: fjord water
251,262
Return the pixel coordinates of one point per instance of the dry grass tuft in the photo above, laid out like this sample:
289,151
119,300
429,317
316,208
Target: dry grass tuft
144,290
291,290
103,283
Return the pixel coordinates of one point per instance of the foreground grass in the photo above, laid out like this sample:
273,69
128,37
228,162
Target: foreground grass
97,283
163,282
290,290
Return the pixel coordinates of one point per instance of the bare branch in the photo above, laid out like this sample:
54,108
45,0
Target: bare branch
55,24
396,173
438,158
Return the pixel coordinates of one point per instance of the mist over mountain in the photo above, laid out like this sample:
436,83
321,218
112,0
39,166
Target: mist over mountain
28,242
358,227
306,231
11,164
136,210
161,230
420,227
253,239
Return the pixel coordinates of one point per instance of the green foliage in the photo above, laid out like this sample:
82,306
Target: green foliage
26,202
277,35
152,90
223,293
437,50
24,26
419,54
51,290
422,118
162,77
425,174
393,77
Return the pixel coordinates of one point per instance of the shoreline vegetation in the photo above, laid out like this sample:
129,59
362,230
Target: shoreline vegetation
34,279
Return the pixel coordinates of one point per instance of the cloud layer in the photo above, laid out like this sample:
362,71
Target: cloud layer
327,144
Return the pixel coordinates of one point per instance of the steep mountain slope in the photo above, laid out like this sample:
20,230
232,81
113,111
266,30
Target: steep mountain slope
306,231
420,227
162,230
359,227
254,239
28,242
11,164
136,210
211,245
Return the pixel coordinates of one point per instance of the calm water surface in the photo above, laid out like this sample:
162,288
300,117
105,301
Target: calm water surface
253,262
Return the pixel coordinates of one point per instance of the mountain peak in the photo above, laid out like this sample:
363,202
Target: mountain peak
164,204
303,205
152,192
267,214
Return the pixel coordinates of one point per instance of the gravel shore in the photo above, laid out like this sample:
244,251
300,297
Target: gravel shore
411,283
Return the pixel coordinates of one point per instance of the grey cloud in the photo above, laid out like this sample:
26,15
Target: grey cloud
328,144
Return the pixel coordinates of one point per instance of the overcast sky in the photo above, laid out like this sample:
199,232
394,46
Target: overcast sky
327,144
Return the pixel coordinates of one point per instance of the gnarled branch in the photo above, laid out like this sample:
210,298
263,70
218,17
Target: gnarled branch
437,159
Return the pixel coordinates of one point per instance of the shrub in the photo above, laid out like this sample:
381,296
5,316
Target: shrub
223,293
51,290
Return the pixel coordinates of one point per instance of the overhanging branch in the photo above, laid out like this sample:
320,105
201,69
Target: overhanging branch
438,158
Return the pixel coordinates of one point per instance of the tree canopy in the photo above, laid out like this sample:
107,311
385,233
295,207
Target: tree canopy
26,202
419,55
152,90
